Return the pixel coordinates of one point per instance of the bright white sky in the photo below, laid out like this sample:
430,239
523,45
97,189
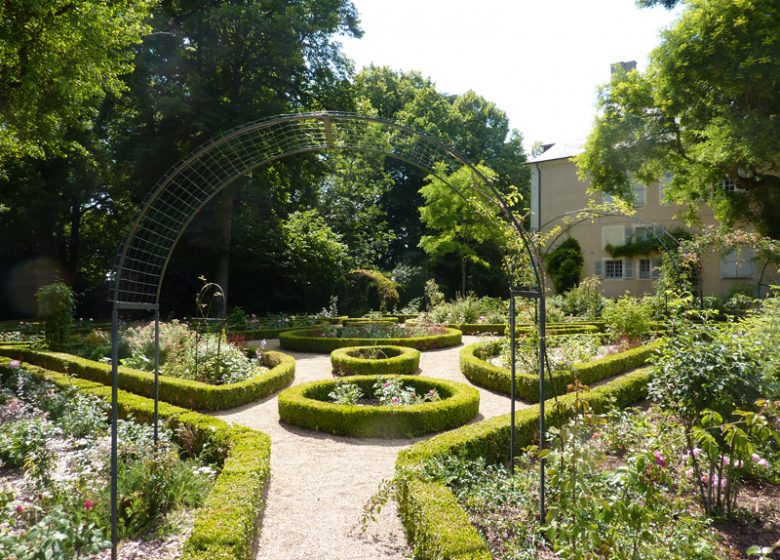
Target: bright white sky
540,61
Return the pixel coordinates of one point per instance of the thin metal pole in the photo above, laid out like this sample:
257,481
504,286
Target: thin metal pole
114,419
156,370
542,438
513,350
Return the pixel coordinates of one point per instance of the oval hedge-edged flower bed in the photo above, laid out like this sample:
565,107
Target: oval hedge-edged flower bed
180,392
372,360
476,368
316,340
307,405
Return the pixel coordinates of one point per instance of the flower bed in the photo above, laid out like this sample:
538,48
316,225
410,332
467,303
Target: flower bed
372,360
368,320
476,368
327,340
437,525
307,405
226,526
180,392
580,327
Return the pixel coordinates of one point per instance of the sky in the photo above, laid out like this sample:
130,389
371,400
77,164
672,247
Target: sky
540,61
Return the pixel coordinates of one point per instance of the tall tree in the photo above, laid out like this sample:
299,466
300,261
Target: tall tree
58,60
458,221
705,111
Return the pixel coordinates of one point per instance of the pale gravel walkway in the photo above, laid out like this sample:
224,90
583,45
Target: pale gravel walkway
319,483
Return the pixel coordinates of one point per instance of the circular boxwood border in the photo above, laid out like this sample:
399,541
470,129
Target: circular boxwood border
311,340
352,321
306,406
402,360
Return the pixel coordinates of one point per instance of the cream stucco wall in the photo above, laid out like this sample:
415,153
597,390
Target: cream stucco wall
556,190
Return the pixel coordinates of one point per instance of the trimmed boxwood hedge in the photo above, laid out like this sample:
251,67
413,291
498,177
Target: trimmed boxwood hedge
226,527
181,392
437,526
364,320
476,368
257,334
400,360
311,340
578,327
307,405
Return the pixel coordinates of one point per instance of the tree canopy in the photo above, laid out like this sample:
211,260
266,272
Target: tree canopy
705,111
58,61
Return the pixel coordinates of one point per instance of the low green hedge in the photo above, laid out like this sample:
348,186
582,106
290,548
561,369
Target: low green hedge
402,317
579,327
364,320
437,526
399,360
306,405
257,334
181,392
311,340
476,368
227,525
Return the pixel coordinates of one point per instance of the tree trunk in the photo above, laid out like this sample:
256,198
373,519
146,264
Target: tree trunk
226,220
463,277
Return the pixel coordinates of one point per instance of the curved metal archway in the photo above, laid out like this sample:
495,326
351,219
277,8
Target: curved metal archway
190,184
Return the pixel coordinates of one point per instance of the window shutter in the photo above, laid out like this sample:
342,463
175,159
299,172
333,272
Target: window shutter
628,268
598,268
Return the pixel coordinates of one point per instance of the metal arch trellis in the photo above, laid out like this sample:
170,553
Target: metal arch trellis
191,183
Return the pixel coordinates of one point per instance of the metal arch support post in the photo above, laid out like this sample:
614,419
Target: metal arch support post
156,372
114,419
513,370
542,396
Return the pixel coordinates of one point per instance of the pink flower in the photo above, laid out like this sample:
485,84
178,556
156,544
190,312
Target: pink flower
395,400
88,505
20,509
16,364
659,459
759,461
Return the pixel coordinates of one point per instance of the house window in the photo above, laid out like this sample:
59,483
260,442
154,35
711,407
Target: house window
737,264
643,233
613,269
640,195
649,268
728,185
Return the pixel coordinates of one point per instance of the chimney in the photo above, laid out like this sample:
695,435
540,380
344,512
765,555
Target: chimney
622,67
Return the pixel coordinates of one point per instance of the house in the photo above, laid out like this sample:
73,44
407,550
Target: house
619,249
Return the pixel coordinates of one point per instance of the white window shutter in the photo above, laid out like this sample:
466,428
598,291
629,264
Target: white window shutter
628,268
598,268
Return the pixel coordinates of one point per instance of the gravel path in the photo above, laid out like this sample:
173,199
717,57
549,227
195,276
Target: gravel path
320,483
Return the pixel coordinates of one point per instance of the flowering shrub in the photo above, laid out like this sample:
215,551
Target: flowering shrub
470,309
387,391
60,507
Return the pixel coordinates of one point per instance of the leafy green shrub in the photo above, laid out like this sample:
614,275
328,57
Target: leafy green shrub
469,309
24,439
56,306
584,300
52,535
345,393
628,318
564,265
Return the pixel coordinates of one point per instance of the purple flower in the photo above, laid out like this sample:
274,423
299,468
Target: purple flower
659,459
16,364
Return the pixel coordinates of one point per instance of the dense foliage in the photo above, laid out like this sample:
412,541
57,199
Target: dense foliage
703,112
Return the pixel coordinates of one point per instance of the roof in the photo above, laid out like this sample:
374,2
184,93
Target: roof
559,150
